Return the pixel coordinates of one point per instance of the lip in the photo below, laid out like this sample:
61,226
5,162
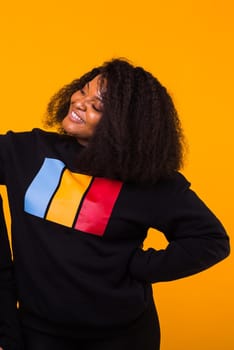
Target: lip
76,118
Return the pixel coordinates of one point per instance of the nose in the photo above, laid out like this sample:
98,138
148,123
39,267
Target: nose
80,103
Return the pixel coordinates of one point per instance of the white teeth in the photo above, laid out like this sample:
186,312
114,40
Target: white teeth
75,116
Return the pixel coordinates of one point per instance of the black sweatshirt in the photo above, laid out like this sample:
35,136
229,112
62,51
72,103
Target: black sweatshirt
79,266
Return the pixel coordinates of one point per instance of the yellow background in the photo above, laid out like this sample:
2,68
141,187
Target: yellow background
188,45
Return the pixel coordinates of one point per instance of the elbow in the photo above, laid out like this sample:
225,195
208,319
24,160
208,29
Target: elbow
213,251
220,250
225,249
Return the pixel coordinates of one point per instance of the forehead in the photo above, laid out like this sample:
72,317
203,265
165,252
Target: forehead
94,88
97,85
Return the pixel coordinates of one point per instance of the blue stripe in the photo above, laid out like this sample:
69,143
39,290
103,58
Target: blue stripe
42,188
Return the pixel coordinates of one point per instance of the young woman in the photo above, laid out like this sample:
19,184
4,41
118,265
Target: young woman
82,201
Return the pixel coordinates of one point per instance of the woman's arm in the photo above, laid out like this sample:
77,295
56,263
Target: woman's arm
197,239
9,325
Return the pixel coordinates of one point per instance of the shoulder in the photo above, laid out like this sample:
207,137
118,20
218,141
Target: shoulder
176,182
27,135
165,187
170,187
34,136
164,194
35,142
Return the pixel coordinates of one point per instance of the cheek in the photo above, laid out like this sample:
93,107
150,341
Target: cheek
95,119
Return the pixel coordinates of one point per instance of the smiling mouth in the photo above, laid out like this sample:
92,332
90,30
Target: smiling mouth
75,117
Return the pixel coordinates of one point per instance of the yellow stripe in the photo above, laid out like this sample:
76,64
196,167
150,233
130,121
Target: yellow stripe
65,203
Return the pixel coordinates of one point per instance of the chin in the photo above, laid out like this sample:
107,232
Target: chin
68,127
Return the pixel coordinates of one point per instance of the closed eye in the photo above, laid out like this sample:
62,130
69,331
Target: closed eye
97,109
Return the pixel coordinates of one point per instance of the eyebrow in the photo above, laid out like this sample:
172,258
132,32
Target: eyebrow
96,96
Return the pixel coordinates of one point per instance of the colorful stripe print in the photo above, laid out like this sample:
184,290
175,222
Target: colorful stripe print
70,199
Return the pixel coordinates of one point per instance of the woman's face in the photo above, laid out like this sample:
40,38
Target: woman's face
85,112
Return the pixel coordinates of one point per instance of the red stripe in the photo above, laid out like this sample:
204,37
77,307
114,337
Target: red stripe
97,206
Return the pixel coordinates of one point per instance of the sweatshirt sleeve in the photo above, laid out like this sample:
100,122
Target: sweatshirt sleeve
2,152
197,240
9,326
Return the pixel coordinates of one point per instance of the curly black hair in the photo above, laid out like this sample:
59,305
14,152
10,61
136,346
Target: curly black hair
139,137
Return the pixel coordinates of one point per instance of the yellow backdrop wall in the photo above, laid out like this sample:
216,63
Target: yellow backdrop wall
188,45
